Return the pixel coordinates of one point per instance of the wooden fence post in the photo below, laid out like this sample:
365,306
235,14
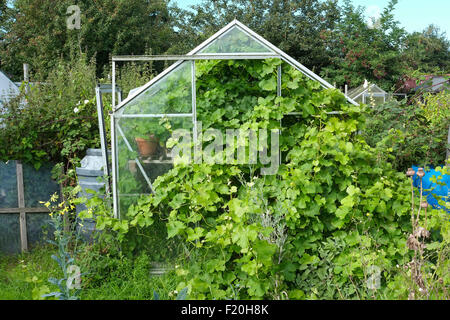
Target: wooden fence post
22,213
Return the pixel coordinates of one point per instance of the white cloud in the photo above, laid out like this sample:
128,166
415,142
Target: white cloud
373,13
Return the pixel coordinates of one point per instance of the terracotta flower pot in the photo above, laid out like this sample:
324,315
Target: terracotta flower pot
147,147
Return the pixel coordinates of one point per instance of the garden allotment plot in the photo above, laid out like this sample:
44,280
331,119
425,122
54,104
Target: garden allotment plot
180,98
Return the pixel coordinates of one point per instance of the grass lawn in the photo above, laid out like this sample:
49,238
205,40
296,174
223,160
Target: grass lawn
25,277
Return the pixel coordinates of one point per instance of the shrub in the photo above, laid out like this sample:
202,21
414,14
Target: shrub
415,133
53,121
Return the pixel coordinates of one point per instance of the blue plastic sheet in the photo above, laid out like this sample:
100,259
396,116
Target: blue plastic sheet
433,191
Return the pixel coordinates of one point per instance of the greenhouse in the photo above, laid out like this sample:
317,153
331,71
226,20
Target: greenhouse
181,98
366,92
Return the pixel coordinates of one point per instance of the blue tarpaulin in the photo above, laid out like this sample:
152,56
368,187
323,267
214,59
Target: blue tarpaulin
432,190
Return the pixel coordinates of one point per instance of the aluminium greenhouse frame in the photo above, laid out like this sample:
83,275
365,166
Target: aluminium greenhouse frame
192,56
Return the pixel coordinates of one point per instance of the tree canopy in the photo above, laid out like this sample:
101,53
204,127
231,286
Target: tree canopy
333,40
38,33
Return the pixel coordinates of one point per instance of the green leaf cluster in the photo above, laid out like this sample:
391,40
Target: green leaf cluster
314,229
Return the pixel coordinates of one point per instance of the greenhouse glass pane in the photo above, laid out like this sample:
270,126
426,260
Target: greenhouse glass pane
359,99
9,233
125,201
376,99
8,185
171,94
38,184
379,100
147,138
129,181
236,41
356,92
376,89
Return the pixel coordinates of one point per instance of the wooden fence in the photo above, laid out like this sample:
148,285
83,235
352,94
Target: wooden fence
22,210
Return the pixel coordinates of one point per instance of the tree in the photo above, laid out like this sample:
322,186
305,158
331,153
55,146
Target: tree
39,33
3,9
428,50
301,28
5,18
363,52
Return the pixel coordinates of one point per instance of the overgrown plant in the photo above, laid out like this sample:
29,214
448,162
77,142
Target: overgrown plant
66,240
409,134
246,235
427,271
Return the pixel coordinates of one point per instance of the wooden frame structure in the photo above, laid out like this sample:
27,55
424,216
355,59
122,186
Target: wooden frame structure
22,210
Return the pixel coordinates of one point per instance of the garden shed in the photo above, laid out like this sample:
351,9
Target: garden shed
185,95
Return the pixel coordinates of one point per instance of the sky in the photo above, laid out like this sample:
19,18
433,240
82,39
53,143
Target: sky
413,15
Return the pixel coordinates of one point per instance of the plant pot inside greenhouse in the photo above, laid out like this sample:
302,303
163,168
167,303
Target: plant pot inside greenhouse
147,147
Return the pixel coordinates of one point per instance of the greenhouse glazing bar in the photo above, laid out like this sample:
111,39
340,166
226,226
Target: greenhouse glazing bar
113,161
194,102
279,95
204,56
156,115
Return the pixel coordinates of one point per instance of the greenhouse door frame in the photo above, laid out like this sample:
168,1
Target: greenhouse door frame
100,89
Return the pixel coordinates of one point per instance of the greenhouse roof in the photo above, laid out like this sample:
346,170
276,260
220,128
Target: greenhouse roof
234,41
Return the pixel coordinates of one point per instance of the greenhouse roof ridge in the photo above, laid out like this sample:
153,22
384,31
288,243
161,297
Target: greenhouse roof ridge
258,40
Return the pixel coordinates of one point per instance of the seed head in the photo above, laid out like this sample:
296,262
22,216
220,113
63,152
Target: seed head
424,204
420,173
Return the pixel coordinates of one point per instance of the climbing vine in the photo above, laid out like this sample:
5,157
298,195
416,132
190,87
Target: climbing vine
318,228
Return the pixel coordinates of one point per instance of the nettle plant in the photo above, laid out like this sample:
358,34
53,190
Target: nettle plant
331,219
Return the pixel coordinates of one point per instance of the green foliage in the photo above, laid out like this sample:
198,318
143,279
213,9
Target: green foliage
38,33
416,133
331,39
24,276
109,275
436,106
58,120
335,208
329,215
5,16
106,275
428,50
362,52
327,37
133,75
